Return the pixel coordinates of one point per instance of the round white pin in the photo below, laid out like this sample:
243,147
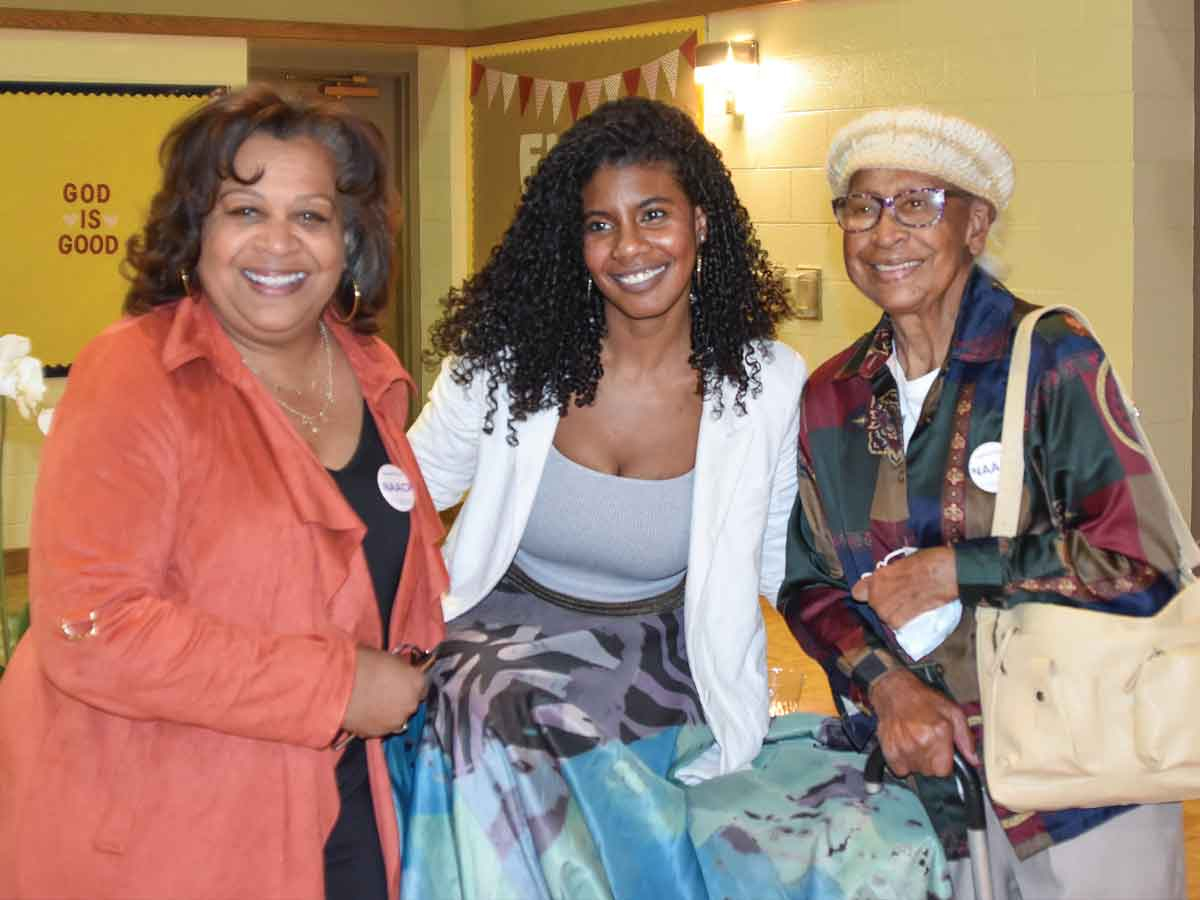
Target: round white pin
395,487
984,466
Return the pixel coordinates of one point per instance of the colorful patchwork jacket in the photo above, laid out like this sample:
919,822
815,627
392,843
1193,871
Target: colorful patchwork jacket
1092,528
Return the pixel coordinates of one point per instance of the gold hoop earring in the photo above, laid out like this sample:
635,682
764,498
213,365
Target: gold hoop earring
353,309
187,282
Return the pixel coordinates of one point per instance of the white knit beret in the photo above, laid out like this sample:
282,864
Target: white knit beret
920,140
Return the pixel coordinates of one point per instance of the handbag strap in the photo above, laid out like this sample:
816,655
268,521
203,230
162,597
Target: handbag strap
1012,444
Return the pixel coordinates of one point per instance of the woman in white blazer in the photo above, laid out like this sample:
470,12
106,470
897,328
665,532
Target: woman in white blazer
623,425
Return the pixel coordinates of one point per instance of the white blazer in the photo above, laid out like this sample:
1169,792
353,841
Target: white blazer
744,486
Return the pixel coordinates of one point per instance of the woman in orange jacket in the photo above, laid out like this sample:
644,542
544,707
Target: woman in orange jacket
229,534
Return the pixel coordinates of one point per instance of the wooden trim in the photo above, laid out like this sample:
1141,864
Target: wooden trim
338,33
206,26
16,561
639,14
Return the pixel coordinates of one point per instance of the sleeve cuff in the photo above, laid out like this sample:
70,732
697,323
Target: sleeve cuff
981,565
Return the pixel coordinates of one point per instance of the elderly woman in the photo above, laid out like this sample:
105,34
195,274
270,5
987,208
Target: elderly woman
229,532
896,433
626,426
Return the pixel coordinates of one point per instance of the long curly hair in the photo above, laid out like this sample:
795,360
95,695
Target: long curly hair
529,320
198,154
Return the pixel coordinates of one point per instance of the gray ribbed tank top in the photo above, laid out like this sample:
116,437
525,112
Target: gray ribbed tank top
604,537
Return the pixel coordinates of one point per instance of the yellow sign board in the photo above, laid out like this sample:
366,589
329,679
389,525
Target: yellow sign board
82,168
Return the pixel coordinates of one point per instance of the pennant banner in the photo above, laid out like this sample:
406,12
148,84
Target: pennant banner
524,86
521,98
574,90
631,77
593,93
508,81
670,67
476,76
558,90
574,95
650,76
688,50
540,86
493,79
612,86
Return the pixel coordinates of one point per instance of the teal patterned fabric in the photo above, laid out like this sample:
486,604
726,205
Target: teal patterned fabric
798,825
545,768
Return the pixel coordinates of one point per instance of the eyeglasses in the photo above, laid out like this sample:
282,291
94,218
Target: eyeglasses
916,208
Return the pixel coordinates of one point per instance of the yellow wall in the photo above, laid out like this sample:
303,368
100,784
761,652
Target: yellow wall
441,77
136,59
65,56
486,13
1056,82
1163,176
398,13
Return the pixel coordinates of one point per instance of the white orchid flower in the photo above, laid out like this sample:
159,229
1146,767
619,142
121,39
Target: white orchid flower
30,387
21,374
43,420
12,348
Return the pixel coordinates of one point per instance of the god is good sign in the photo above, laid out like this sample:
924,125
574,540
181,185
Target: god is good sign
91,225
84,167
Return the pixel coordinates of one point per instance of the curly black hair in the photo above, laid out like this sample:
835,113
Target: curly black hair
198,154
528,319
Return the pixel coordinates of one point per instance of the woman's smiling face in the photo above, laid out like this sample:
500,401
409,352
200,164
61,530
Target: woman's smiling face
273,251
911,270
640,238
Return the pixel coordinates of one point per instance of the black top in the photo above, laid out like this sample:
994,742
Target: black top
387,527
384,544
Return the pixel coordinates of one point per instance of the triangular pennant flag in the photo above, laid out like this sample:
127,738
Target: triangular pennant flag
574,95
493,79
650,76
670,67
612,86
477,71
688,49
631,78
508,81
558,90
540,86
593,93
524,86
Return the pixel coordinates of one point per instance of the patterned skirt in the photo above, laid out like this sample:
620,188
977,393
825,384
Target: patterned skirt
545,769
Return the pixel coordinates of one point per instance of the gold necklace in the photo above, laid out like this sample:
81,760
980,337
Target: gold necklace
314,421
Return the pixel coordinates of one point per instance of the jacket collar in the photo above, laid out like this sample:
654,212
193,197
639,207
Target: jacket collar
196,334
982,331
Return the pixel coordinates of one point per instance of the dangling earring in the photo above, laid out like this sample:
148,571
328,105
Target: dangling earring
593,315
187,282
699,261
354,309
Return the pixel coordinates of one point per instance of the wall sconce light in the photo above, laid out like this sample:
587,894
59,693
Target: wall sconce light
731,66
804,285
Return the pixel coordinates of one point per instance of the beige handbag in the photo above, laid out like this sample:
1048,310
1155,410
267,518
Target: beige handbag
1084,708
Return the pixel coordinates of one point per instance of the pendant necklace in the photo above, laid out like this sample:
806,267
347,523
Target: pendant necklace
314,421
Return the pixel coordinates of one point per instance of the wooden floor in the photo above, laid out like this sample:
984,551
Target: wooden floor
799,685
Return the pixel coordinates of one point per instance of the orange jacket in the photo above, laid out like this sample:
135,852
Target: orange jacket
214,579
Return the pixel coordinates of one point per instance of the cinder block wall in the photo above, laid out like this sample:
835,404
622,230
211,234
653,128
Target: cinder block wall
1093,98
